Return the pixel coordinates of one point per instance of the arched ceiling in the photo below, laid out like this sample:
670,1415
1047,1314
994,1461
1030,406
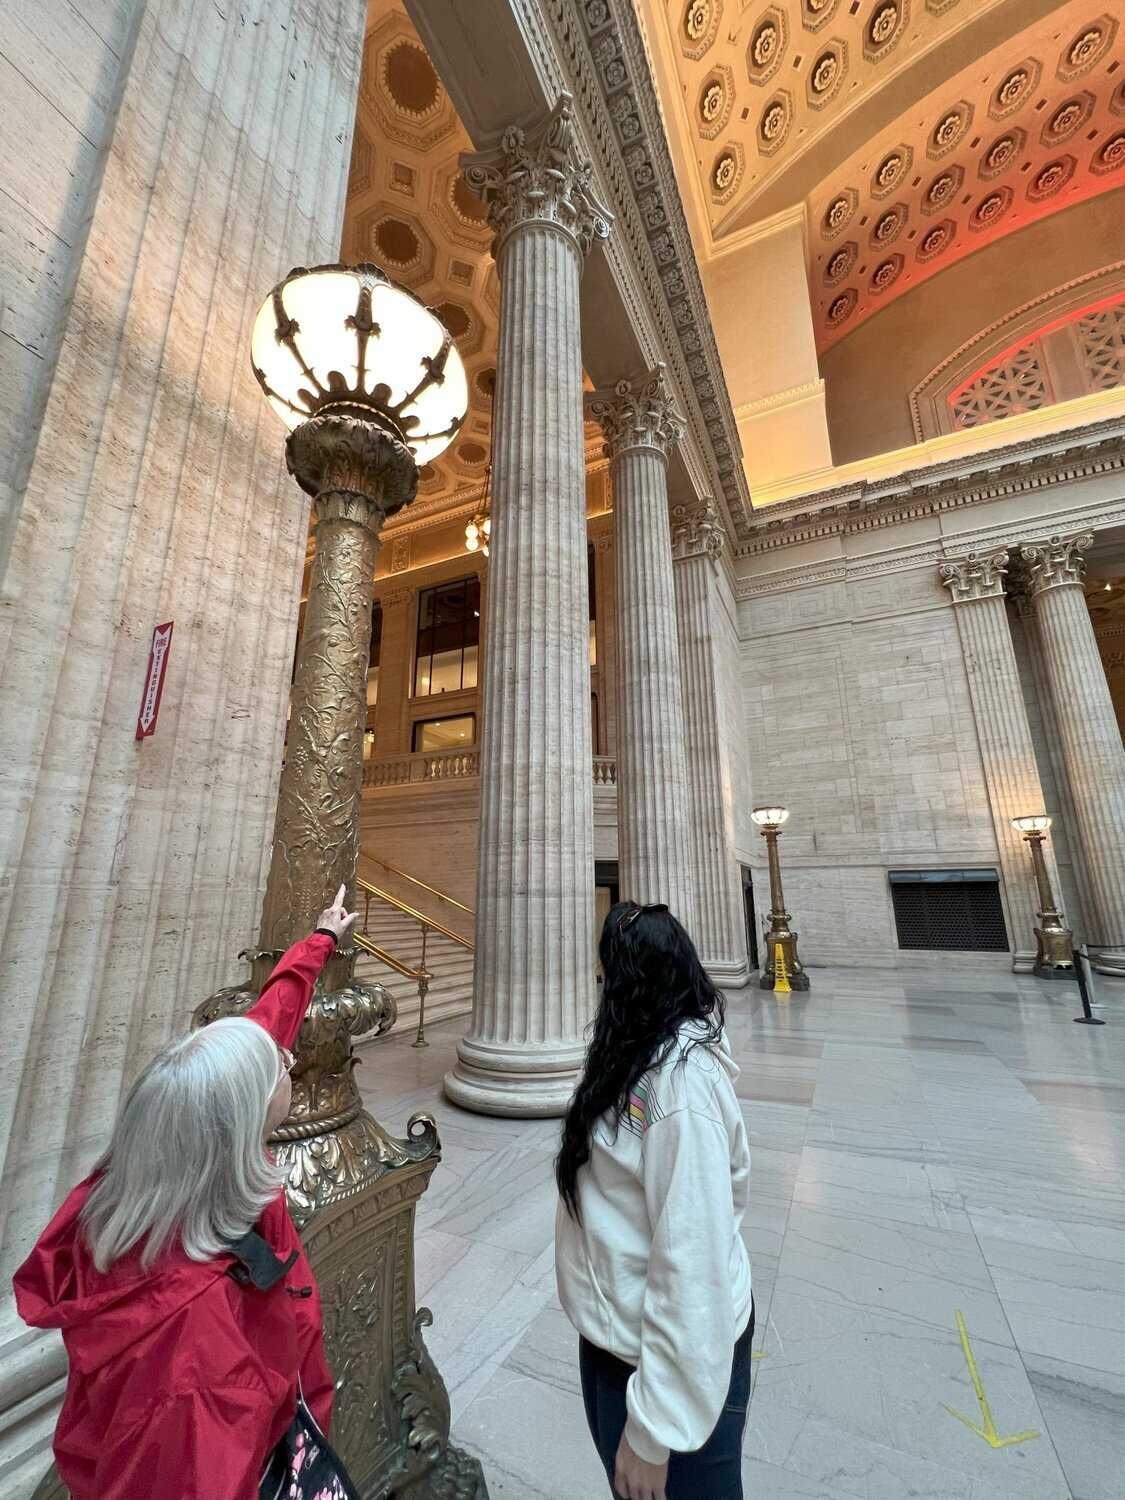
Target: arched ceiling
914,131
410,211
1034,128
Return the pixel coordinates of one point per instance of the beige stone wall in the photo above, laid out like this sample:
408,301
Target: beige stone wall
858,712
133,872
61,67
858,719
429,832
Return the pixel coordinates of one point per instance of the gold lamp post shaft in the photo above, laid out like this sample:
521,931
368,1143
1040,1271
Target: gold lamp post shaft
316,837
777,896
358,474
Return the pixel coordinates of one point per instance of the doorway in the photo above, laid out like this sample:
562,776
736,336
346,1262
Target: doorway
605,897
751,924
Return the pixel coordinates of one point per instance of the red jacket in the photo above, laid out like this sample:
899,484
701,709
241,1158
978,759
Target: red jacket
182,1378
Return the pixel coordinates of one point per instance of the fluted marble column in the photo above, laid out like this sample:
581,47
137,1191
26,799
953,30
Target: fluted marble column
641,427
1007,752
533,990
1088,729
720,916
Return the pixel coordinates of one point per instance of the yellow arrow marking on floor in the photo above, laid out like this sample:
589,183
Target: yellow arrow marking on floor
988,1429
761,1354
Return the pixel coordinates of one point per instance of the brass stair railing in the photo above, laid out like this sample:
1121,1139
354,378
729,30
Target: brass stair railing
413,879
426,925
421,975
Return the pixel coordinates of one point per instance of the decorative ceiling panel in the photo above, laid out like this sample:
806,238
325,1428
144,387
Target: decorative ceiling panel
1033,128
761,80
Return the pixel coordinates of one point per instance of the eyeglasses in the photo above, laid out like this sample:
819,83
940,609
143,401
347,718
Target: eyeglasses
638,911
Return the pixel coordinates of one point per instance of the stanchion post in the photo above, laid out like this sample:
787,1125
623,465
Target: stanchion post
1081,972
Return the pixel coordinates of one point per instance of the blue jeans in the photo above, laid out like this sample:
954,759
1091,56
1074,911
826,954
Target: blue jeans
714,1472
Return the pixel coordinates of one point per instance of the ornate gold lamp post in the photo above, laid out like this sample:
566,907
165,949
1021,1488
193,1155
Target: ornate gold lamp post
1054,957
371,385
779,934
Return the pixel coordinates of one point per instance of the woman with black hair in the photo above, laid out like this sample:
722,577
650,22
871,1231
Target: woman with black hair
653,1178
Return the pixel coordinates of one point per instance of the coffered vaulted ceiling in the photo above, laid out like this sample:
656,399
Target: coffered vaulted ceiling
915,131
410,211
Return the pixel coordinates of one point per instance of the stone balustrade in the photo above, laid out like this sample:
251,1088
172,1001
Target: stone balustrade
605,770
453,765
438,765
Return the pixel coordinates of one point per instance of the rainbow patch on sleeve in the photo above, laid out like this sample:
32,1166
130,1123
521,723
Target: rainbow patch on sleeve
642,1109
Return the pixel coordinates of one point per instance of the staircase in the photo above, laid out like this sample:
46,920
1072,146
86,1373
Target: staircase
411,938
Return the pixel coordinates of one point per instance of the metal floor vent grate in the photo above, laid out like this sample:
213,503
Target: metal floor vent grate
949,910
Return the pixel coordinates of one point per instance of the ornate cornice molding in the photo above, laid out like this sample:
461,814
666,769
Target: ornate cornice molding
1056,563
539,177
924,556
975,577
788,397
697,532
1061,458
637,413
602,51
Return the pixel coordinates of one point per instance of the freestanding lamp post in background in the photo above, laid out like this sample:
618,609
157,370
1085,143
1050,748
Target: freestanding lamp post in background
1054,958
778,934
371,385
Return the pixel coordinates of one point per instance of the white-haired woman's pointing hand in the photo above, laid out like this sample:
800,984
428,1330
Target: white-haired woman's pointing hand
335,919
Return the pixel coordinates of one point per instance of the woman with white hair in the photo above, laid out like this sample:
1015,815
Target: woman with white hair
191,1319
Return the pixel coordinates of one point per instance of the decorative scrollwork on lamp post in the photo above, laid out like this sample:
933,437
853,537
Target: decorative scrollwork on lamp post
371,385
779,934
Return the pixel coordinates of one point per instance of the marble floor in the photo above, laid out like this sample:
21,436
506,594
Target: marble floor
924,1144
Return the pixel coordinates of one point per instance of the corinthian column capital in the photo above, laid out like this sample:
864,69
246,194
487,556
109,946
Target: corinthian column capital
975,577
637,414
697,532
1056,562
537,177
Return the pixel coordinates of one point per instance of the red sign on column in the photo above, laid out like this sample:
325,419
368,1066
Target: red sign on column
154,680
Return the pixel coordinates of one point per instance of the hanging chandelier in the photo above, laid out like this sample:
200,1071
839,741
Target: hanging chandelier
478,533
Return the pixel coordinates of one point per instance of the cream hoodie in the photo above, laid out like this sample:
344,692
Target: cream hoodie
657,1272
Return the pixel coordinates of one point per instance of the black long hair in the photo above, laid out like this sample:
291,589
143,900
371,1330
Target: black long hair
653,983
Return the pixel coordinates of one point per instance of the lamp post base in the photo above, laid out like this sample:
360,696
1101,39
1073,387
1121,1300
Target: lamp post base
794,972
1054,957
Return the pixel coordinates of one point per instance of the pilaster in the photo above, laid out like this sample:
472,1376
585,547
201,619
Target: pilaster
976,584
1088,729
